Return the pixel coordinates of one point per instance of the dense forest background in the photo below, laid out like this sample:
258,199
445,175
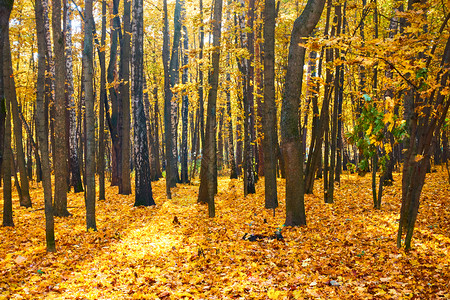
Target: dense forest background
275,102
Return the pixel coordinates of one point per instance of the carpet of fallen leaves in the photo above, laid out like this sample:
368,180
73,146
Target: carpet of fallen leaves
348,249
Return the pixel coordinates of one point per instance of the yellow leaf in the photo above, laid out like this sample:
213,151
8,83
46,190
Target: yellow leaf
273,294
369,131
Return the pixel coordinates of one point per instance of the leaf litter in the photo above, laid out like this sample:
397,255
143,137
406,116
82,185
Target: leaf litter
174,251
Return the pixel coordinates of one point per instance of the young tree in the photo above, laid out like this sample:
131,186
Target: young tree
290,135
417,156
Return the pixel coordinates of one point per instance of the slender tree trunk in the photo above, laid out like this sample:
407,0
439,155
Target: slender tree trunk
88,53
320,123
231,159
200,78
419,148
60,155
125,114
74,166
269,108
334,125
170,104
184,110
37,157
156,145
207,175
114,119
143,188
103,99
5,12
149,131
10,92
249,122
41,128
239,142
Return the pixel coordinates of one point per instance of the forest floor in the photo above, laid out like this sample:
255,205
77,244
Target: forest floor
347,250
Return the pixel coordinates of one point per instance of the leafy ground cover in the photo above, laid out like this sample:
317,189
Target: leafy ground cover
173,251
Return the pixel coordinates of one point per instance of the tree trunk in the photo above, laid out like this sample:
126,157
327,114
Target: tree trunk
249,122
184,110
103,99
334,125
60,155
269,119
231,159
125,114
156,144
419,149
114,119
290,135
200,79
170,104
150,131
88,52
41,128
207,172
74,166
5,12
10,92
143,187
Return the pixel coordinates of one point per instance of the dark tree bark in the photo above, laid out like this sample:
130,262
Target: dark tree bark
103,99
184,110
417,155
200,78
170,104
208,171
340,92
153,157
143,187
5,12
88,53
71,128
156,143
334,125
114,119
249,116
10,92
220,135
60,155
320,123
4,28
231,159
269,122
290,135
42,130
33,146
124,106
